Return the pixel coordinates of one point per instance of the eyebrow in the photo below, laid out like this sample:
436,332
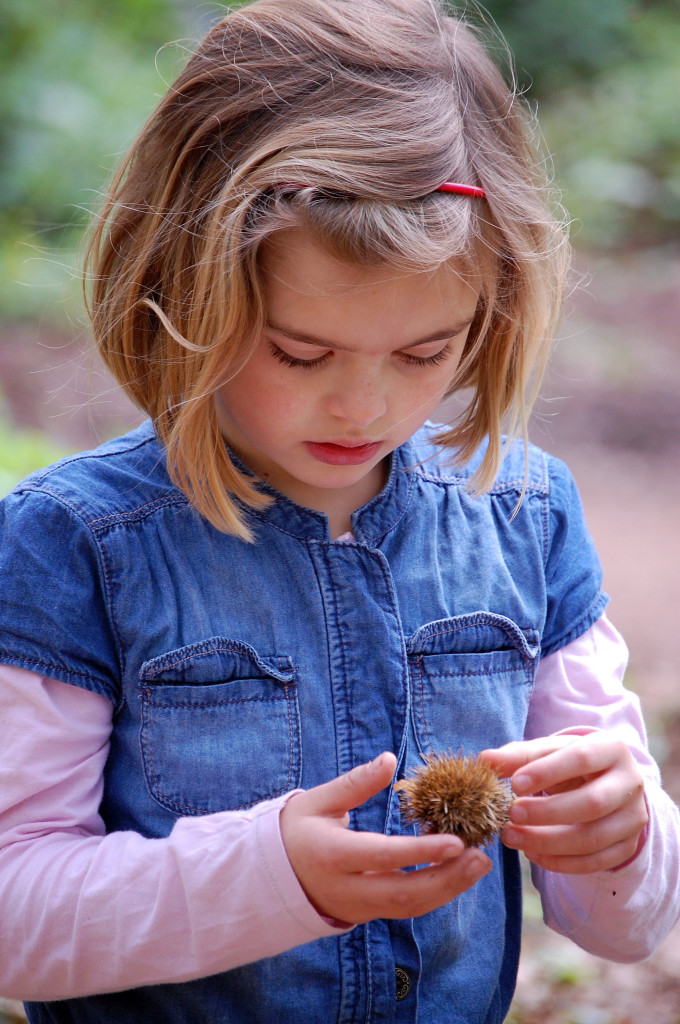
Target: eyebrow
311,339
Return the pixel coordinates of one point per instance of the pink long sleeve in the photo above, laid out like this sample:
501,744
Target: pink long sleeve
84,912
620,915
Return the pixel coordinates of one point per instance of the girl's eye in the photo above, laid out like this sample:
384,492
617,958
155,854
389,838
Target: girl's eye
308,364
288,360
438,357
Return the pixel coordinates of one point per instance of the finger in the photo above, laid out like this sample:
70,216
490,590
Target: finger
370,851
576,762
609,858
590,802
347,791
587,841
414,893
410,894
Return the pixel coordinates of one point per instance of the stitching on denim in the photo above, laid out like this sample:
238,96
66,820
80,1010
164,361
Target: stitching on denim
343,657
142,512
488,671
405,673
545,509
108,596
116,517
147,753
417,665
35,489
264,518
476,620
219,645
304,536
368,947
289,702
167,801
505,487
117,697
208,705
78,514
204,650
421,687
579,627
312,545
287,664
401,510
413,668
22,661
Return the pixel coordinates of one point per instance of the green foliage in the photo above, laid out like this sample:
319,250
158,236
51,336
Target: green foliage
606,76
559,42
22,451
76,79
79,79
616,141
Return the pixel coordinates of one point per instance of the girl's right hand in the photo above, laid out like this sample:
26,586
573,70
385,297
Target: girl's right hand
355,877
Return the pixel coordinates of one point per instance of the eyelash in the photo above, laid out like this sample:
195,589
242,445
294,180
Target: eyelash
288,360
309,364
438,357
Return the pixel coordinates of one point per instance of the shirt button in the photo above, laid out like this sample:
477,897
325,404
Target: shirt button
403,983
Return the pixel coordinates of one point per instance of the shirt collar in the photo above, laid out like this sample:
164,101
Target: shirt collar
370,523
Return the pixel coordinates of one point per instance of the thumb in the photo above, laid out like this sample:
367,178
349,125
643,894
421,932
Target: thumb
348,791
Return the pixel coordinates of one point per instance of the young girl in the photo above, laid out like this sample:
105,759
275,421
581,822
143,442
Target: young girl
225,636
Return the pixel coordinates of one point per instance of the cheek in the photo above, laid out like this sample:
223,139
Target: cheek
270,408
424,396
281,405
256,396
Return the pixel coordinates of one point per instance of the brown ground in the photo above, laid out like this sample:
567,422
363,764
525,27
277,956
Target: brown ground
612,410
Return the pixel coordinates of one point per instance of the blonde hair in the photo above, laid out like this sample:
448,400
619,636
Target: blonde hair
342,117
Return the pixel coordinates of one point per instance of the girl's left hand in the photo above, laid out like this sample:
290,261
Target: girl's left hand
590,811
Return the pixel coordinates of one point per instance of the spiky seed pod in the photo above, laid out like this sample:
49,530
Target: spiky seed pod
460,795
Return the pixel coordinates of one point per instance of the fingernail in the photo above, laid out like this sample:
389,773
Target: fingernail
511,838
449,852
521,784
478,868
518,814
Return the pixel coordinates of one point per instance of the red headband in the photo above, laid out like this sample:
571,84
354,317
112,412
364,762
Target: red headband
464,190
448,186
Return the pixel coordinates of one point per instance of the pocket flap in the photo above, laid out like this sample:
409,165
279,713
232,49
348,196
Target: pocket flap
220,727
216,660
475,633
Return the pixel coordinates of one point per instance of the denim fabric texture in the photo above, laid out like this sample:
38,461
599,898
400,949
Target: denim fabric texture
240,671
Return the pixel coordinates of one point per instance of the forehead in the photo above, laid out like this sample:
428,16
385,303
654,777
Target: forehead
302,279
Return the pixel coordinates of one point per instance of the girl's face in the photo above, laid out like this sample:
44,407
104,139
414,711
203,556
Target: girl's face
350,364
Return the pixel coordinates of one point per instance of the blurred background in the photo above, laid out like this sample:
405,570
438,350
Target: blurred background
78,79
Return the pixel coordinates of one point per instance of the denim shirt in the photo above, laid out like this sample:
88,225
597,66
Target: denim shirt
240,671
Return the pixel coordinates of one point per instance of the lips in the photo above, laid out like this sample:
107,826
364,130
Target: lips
343,453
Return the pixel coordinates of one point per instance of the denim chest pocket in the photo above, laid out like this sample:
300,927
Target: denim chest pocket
471,679
220,727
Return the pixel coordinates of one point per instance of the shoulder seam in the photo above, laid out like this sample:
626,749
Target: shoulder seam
502,487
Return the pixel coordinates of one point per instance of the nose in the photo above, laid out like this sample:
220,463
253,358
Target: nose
358,399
